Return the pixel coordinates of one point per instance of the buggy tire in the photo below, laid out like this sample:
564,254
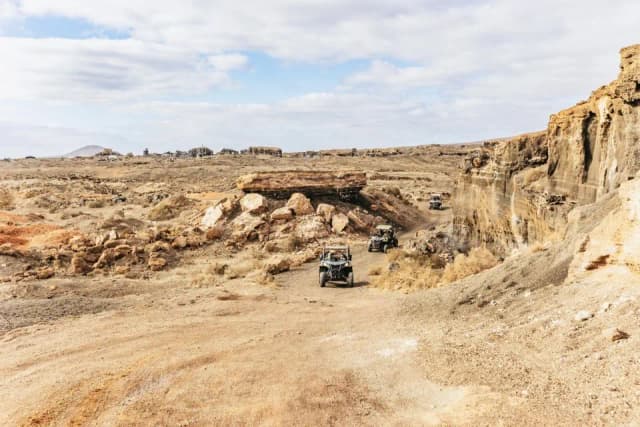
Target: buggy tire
385,248
369,248
350,280
323,279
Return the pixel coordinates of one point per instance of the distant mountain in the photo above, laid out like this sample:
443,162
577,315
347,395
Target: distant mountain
88,151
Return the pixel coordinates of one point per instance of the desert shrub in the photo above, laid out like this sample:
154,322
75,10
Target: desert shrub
6,199
241,268
408,271
479,259
217,268
408,275
96,204
169,208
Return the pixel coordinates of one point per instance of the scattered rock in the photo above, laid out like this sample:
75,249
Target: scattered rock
215,233
245,224
583,315
339,222
179,242
122,269
300,204
254,203
79,265
311,228
45,273
277,265
215,214
326,211
283,213
362,221
157,263
619,335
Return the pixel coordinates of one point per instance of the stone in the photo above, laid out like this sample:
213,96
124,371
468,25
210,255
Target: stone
311,228
79,265
45,273
277,265
339,222
156,263
179,242
214,233
122,269
300,204
362,221
282,214
326,211
245,224
619,335
254,203
215,214
583,315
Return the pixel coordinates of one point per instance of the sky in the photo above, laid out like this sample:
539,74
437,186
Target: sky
299,74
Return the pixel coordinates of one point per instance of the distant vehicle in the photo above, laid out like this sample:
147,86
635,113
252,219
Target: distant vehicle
435,202
383,239
30,157
335,265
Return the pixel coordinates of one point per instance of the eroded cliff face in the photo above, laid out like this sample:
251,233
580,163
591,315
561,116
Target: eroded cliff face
517,191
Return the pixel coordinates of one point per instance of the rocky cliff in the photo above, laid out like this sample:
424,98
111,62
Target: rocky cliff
516,191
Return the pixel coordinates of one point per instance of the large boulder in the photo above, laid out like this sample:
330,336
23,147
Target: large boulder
361,220
311,228
339,222
254,203
283,213
277,265
215,214
300,204
326,211
245,224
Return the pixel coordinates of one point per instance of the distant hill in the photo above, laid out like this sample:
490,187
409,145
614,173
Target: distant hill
88,151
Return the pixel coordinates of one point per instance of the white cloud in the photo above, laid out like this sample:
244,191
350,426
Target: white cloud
228,62
101,70
438,71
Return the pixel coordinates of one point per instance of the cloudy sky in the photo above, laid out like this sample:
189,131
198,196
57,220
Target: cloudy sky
300,74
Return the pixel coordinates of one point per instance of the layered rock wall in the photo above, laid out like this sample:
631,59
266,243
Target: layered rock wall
516,191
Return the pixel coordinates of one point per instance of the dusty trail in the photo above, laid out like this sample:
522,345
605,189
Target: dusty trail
298,354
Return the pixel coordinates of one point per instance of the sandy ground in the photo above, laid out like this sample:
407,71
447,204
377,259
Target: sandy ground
295,355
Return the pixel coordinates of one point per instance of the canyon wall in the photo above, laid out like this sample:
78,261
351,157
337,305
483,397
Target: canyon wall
517,191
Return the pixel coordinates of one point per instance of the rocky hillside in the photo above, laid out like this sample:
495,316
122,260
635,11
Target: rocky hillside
516,191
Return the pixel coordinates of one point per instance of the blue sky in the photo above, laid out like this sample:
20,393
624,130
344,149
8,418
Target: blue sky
301,74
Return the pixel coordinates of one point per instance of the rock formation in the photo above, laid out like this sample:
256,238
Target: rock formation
521,190
283,184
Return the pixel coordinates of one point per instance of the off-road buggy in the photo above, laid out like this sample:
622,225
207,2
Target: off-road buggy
383,239
335,265
435,202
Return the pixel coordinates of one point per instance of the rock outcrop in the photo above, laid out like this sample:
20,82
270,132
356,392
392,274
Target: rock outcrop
283,184
300,204
521,190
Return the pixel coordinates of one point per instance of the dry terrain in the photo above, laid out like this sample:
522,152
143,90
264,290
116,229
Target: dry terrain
153,291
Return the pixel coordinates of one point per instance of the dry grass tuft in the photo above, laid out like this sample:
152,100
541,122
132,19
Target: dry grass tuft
479,259
6,199
169,208
411,272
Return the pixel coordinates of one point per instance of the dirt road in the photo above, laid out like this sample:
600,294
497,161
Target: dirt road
243,355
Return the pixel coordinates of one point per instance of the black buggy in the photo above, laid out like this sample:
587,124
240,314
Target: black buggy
335,265
383,239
